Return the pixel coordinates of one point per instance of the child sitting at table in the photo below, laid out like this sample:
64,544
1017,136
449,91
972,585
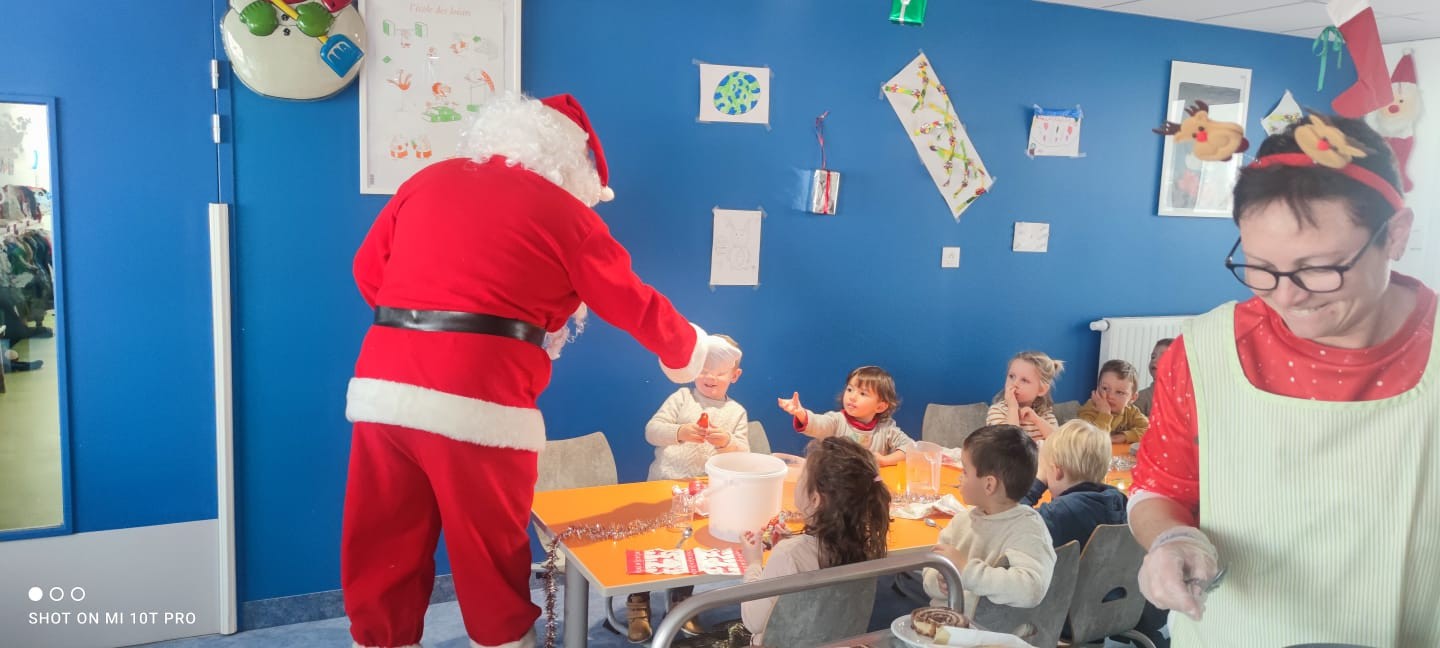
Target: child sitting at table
692,425
1073,465
1112,404
846,507
867,417
1026,399
1003,549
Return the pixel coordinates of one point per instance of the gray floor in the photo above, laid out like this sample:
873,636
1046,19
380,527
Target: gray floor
444,629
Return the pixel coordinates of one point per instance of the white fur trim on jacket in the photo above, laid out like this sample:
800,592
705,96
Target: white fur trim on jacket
464,419
527,641
689,372
1343,11
356,645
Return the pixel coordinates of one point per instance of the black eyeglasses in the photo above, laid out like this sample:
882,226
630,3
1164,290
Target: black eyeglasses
1315,279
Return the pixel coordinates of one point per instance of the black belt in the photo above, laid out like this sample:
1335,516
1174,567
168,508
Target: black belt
458,322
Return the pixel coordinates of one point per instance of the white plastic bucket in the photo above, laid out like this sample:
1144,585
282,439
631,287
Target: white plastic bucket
744,492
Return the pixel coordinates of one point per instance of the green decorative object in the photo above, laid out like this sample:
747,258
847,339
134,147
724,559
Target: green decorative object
737,93
314,20
387,59
908,12
441,114
260,18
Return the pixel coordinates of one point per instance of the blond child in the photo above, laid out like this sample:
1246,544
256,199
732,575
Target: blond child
683,445
1112,404
1003,549
1026,400
867,417
846,507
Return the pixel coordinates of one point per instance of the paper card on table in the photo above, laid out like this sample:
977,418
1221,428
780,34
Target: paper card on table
722,562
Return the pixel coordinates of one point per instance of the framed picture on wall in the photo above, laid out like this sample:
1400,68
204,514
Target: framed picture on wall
1190,186
429,65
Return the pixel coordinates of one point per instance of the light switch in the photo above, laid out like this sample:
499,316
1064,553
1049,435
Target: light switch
949,257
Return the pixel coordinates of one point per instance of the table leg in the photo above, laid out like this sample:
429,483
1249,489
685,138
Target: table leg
577,608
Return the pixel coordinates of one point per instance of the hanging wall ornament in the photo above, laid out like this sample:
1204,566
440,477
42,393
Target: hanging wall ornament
824,183
288,49
907,12
1396,121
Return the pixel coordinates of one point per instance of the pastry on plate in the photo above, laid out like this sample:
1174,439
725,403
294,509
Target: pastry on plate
927,621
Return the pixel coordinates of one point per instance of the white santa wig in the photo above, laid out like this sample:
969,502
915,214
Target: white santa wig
544,141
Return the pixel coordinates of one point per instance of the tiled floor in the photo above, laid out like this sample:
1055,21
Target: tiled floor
443,627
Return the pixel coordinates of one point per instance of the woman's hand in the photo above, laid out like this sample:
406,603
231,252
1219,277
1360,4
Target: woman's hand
1179,567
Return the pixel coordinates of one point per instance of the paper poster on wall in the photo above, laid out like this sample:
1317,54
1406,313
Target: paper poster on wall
735,249
430,64
1031,237
1055,132
924,108
1286,112
734,94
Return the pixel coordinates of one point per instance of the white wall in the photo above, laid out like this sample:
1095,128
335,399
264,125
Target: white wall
1423,259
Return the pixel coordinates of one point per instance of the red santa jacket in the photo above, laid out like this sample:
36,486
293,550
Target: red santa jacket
499,240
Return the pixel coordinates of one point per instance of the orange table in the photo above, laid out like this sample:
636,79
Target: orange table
601,563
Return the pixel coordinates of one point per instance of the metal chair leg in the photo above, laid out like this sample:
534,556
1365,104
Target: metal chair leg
614,623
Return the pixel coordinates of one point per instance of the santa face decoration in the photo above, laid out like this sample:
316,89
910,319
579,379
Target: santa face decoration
279,56
1398,119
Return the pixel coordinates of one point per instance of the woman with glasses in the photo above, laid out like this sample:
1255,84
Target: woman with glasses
1294,447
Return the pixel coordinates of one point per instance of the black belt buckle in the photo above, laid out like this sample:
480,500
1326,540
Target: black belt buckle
459,322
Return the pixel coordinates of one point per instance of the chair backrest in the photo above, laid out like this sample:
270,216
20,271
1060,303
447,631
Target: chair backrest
1045,620
1066,411
576,463
1109,564
758,441
821,616
948,425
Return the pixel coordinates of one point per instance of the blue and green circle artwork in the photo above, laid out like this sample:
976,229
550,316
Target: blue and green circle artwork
737,93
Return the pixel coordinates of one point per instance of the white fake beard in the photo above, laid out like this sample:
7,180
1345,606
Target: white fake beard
556,341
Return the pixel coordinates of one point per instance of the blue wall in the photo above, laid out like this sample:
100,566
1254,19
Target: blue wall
863,287
137,168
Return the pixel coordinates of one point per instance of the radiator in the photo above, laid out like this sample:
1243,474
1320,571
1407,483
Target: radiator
1132,338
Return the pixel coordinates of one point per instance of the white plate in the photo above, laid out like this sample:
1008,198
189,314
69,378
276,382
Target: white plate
904,631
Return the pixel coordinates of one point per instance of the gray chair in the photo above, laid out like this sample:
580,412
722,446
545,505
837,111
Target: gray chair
1109,563
948,425
820,616
1066,411
1040,625
758,441
575,463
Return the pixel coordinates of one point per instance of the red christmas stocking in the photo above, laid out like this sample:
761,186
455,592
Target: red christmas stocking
1356,20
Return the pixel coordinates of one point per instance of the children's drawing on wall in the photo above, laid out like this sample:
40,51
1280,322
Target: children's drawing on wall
422,82
734,94
925,110
735,248
1055,132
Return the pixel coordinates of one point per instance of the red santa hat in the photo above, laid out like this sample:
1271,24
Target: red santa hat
1404,70
570,107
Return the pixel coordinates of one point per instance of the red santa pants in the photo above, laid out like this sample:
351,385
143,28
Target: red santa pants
403,486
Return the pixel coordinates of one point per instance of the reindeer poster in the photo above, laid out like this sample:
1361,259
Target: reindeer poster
923,106
1055,132
430,63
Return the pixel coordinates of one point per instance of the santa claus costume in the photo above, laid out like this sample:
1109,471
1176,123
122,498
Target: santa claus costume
468,267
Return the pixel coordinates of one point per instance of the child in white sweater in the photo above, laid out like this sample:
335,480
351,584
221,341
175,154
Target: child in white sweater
682,445
1003,550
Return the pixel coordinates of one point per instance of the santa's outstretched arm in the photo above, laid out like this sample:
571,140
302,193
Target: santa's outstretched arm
601,272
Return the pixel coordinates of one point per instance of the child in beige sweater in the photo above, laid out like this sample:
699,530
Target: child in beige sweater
1003,550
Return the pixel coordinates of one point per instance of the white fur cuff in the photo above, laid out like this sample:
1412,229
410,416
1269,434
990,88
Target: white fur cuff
689,372
464,419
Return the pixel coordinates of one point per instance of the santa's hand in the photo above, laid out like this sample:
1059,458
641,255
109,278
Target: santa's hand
719,354
691,433
1179,567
